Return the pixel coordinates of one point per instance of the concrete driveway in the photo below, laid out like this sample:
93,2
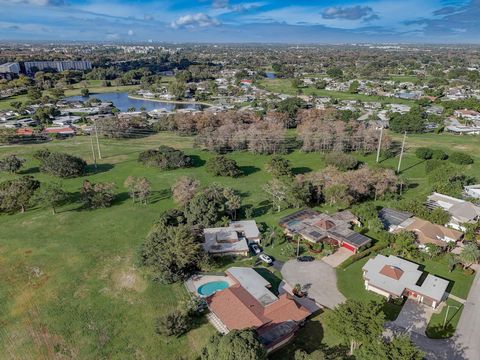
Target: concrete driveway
317,277
337,257
414,317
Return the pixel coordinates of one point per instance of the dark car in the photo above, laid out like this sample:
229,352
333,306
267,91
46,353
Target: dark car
255,249
305,258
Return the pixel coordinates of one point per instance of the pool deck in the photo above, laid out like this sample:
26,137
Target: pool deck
198,280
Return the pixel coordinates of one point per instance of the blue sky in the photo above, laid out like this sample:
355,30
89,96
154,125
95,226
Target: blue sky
299,21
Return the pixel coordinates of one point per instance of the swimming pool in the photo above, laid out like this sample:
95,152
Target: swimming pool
212,287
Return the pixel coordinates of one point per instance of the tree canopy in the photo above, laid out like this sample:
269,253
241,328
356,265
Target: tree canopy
236,345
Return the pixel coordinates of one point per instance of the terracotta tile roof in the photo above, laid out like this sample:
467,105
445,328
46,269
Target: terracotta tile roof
237,309
392,272
285,309
325,224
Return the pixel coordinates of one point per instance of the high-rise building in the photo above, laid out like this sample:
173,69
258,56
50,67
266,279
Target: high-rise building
10,68
33,66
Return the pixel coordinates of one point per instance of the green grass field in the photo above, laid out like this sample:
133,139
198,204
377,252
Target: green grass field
443,325
284,86
70,284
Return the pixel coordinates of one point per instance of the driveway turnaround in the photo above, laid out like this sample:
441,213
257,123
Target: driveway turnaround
317,277
414,317
337,257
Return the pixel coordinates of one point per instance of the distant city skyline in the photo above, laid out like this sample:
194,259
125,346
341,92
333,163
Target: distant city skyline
232,21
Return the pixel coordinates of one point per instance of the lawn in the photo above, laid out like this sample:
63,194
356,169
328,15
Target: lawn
74,276
436,328
284,86
70,283
459,282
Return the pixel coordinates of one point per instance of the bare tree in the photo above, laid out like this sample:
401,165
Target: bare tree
184,190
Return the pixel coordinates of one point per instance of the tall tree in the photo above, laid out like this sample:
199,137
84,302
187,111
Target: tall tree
236,345
356,322
184,190
469,255
11,163
51,195
172,252
277,191
16,194
139,188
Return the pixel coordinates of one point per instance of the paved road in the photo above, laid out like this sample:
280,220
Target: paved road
435,349
468,329
318,277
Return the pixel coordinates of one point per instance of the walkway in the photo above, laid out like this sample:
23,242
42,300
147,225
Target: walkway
457,299
337,257
217,324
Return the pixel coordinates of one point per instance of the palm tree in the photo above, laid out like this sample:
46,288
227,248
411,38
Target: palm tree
469,255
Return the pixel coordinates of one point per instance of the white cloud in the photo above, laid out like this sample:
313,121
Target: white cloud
131,32
195,20
37,2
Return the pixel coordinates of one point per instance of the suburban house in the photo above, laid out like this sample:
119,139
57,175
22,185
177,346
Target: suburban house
231,240
318,227
250,304
392,218
467,114
394,277
472,191
426,232
461,211
429,233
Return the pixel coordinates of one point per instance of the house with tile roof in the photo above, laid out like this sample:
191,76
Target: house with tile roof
250,303
429,233
461,211
335,229
394,277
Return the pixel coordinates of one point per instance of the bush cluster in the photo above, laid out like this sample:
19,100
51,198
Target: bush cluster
165,158
60,164
222,166
341,161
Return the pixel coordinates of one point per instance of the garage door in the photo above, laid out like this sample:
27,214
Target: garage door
349,247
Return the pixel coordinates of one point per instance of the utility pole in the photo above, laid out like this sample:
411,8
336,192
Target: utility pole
93,150
98,144
379,144
446,314
298,245
401,152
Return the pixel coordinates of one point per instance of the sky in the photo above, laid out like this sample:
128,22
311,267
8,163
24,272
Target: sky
237,21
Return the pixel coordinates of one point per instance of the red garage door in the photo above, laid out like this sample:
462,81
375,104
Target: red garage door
349,247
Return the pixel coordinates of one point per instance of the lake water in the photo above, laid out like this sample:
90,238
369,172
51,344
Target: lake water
123,102
270,75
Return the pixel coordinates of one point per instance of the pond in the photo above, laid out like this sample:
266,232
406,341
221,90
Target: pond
270,75
123,102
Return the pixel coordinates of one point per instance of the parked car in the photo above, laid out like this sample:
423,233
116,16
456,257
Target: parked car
255,249
305,258
265,258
